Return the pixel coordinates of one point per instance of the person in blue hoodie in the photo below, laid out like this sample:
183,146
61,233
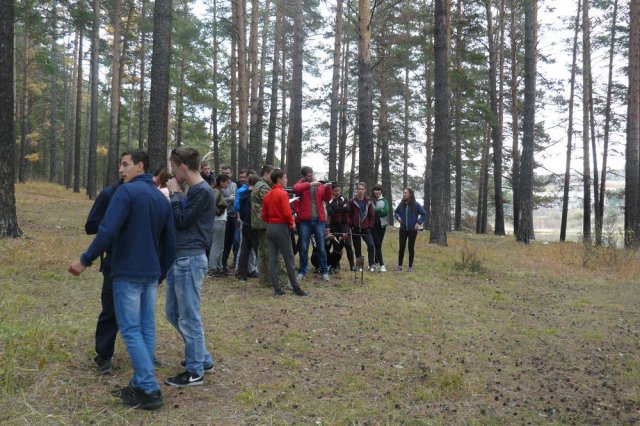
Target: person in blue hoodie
411,216
250,241
138,227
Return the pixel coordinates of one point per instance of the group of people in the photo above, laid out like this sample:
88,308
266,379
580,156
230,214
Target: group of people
148,229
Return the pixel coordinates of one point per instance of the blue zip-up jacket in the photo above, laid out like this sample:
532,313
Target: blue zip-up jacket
244,201
138,226
236,201
95,217
408,217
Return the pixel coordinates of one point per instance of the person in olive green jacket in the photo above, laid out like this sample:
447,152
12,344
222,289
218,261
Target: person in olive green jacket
381,207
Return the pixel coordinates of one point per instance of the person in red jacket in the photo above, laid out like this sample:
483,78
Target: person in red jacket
312,219
276,213
361,218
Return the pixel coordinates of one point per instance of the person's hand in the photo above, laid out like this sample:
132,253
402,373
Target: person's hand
399,220
417,226
172,185
76,267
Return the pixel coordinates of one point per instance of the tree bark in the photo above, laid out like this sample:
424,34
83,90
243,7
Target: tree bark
457,217
243,89
496,129
8,217
78,132
365,113
294,139
515,106
586,172
53,141
632,175
335,92
344,86
143,52
525,189
233,94
111,174
24,119
159,97
214,107
442,136
383,122
255,143
567,170
273,106
607,120
92,165
261,83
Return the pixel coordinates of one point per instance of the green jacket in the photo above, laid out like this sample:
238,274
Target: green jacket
260,189
381,207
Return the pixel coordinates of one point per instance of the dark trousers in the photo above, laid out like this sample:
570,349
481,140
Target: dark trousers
378,237
365,234
230,241
343,230
250,241
107,327
404,236
280,243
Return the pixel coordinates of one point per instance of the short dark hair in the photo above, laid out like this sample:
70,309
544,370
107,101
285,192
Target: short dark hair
251,172
335,185
376,187
276,174
162,175
253,179
186,155
138,156
306,170
204,163
221,178
266,169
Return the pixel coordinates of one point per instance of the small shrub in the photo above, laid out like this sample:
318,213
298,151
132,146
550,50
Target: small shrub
469,261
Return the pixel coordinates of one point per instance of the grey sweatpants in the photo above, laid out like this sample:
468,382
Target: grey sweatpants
280,242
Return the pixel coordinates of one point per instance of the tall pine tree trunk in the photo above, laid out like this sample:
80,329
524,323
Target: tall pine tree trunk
8,217
442,137
255,144
78,132
607,120
24,119
515,105
525,188
344,90
261,84
383,122
214,106
111,175
632,175
92,166
243,88
496,130
141,93
233,95
335,88
457,216
273,106
294,139
53,137
159,97
567,170
405,129
365,113
586,171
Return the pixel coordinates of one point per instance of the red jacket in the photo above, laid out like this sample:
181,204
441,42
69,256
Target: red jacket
353,217
276,208
323,193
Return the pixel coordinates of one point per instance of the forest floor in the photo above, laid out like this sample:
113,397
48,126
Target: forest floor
485,331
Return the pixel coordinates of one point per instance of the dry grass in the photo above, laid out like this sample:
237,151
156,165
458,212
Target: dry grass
546,333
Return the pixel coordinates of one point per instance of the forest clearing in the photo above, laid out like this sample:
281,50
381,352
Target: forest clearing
486,331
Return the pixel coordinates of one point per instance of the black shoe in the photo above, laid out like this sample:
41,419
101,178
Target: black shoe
253,274
125,392
279,292
103,365
137,398
207,367
184,379
300,292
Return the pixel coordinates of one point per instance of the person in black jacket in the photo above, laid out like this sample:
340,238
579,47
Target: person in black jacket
107,326
337,209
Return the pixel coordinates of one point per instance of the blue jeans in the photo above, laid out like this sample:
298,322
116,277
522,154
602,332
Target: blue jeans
184,281
135,302
305,229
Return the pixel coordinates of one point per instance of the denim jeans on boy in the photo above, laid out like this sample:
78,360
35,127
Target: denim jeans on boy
184,282
135,301
305,230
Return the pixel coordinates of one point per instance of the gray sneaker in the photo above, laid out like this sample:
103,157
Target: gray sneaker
325,277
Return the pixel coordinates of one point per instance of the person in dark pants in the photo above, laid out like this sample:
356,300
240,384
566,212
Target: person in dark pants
230,241
361,217
276,213
381,207
411,215
250,240
107,326
337,209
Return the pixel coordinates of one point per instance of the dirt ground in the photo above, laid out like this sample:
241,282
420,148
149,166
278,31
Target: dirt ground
485,331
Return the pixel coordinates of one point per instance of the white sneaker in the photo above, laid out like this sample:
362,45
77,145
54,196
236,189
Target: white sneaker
383,269
300,277
373,268
325,277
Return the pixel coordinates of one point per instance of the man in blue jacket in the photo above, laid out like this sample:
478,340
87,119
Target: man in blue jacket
138,227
